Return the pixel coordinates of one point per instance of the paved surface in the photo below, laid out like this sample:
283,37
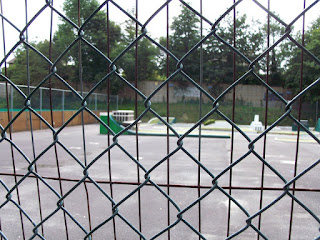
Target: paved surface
215,155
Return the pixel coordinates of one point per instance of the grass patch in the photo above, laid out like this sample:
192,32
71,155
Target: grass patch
189,112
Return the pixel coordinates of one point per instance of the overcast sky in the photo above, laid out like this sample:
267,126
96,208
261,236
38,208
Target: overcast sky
14,10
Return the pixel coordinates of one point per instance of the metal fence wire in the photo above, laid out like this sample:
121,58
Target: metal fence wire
51,189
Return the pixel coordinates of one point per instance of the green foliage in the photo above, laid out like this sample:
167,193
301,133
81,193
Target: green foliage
38,69
146,56
278,55
188,112
218,58
92,66
250,40
311,69
185,34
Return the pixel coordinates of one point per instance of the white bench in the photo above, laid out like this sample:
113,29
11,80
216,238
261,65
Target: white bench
123,115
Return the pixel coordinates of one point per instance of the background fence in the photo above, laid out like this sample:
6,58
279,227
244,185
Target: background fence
72,183
62,99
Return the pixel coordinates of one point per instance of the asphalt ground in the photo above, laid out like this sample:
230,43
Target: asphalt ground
215,155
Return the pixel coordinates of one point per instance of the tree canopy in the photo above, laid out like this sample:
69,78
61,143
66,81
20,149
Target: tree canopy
250,40
311,68
185,34
93,65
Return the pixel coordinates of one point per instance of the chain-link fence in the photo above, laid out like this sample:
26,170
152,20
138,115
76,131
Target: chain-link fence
62,100
72,183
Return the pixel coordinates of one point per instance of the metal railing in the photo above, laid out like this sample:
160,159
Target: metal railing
91,195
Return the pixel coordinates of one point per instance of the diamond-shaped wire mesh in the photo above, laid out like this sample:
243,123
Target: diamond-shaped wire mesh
51,189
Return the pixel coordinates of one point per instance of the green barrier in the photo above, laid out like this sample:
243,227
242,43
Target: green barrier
318,125
113,124
303,122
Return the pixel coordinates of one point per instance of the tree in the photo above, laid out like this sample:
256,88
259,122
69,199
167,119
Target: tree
147,56
311,69
185,34
38,67
218,57
278,55
94,66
